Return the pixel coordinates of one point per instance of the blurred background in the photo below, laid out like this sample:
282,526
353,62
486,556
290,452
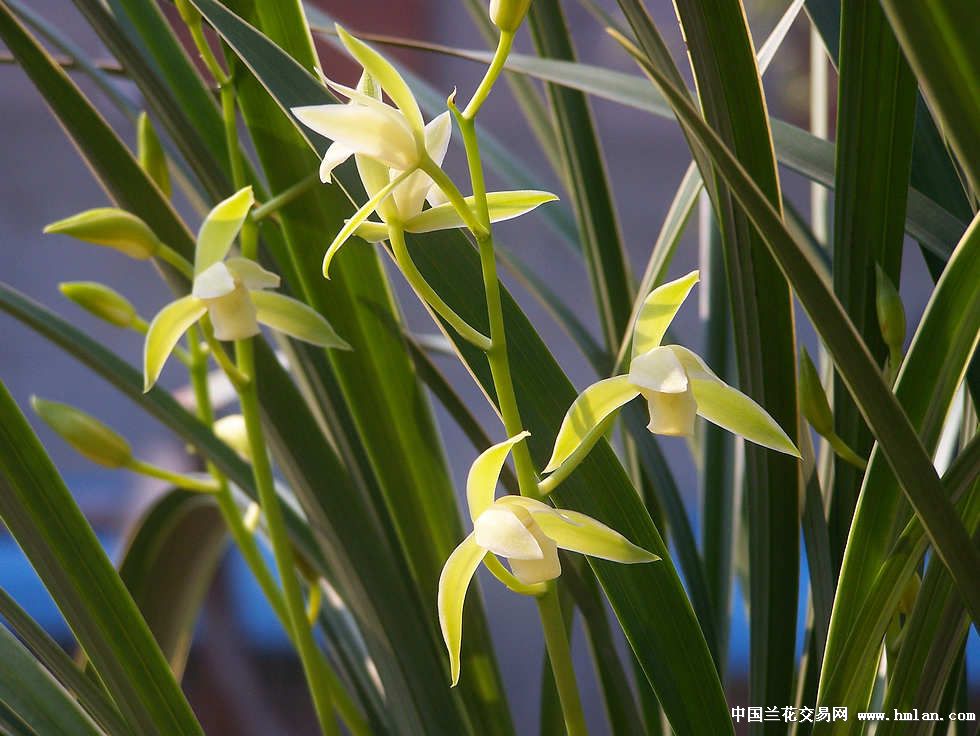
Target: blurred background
239,648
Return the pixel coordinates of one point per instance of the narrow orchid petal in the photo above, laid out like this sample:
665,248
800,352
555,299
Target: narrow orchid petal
251,275
438,131
410,196
436,196
213,282
360,216
730,409
384,74
658,312
233,316
165,330
502,206
504,532
580,533
592,406
336,154
529,504
220,228
453,583
481,482
296,319
672,414
658,370
372,232
363,96
379,132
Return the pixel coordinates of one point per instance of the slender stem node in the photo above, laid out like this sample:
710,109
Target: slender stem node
186,482
417,281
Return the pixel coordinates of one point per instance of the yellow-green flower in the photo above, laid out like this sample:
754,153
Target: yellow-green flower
524,531
232,292
391,145
676,383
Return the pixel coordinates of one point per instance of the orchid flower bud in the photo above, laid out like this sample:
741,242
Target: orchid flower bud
101,301
151,156
508,15
891,313
90,437
813,399
112,228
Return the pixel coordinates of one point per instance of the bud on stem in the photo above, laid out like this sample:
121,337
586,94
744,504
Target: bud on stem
112,228
815,407
151,156
508,15
102,302
891,320
90,437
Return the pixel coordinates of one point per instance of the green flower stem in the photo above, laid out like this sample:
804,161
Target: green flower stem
207,55
490,78
549,609
310,655
168,255
185,482
455,197
553,625
575,459
235,375
282,550
404,260
285,197
242,532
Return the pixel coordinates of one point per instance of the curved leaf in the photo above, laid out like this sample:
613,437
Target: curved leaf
43,517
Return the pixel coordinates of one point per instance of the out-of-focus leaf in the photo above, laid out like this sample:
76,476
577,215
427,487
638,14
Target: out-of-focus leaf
42,516
937,38
169,564
585,172
38,701
89,695
875,123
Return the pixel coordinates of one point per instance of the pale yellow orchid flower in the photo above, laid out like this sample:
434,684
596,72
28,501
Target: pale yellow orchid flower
524,531
232,292
676,383
391,145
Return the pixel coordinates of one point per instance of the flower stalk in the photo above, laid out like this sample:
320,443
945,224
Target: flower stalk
549,609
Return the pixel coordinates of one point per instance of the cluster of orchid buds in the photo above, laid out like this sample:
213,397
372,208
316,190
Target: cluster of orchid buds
398,158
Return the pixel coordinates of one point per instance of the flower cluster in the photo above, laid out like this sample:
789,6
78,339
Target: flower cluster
398,158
